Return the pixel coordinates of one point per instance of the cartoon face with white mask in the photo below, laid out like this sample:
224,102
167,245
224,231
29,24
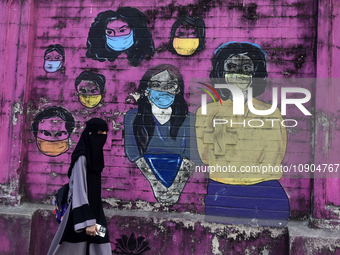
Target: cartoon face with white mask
54,58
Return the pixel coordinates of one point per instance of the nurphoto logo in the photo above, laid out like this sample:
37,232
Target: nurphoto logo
238,99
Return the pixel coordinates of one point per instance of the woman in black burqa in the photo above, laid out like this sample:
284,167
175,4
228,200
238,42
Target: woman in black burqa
77,231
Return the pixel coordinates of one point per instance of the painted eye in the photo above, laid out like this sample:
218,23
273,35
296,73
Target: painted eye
180,34
231,66
94,91
48,57
58,57
83,90
170,86
60,133
45,132
247,67
156,84
110,32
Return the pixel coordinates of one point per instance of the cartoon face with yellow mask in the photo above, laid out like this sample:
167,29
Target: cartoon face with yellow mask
90,87
187,36
52,128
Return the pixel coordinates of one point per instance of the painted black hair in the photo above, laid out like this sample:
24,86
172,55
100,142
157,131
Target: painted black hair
98,79
55,47
143,44
254,52
144,123
197,23
51,112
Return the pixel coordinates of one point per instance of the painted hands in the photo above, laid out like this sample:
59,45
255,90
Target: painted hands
167,196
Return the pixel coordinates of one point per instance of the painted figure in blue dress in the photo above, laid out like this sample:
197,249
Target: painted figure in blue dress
157,134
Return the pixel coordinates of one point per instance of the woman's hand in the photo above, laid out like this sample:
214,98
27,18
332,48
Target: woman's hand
92,230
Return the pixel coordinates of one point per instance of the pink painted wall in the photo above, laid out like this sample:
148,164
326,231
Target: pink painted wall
326,202
286,30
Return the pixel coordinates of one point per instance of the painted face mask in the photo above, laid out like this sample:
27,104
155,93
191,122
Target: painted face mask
161,99
52,66
52,148
89,101
242,81
120,43
185,46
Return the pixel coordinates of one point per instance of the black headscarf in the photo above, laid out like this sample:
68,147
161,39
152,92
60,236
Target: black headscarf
91,146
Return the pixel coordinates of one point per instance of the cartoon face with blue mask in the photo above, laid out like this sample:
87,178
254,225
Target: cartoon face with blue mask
162,89
53,61
119,35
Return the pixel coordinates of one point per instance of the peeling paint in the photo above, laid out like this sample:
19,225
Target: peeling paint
16,109
215,246
8,192
322,245
112,201
334,209
144,206
265,251
127,206
115,126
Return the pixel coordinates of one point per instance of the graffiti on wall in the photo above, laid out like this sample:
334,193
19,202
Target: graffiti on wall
54,58
115,32
187,36
251,195
90,88
52,128
157,134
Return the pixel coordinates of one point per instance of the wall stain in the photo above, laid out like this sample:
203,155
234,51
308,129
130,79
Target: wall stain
199,8
299,60
249,12
60,25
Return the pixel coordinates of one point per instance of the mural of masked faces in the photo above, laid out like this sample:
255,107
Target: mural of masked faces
52,137
187,36
53,61
122,31
186,40
52,128
162,89
89,94
239,71
90,88
119,36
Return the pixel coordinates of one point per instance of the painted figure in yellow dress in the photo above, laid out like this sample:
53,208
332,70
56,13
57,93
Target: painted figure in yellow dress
238,148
